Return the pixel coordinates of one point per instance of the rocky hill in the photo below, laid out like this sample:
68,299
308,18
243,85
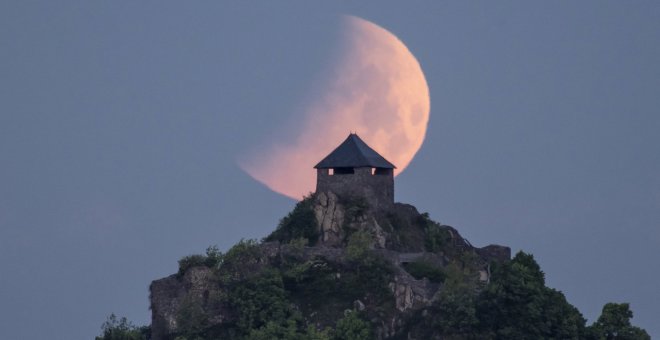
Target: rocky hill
341,269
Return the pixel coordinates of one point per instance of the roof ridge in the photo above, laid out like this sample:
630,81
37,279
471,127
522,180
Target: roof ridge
353,152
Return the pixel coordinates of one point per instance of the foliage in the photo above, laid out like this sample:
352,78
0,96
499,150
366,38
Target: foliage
212,259
352,327
287,331
423,269
243,251
302,271
121,329
359,246
264,311
299,223
455,310
192,320
614,323
436,237
517,305
371,271
326,288
356,206
299,244
190,261
259,300
265,297
240,260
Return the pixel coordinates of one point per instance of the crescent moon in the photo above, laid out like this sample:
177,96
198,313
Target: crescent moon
378,90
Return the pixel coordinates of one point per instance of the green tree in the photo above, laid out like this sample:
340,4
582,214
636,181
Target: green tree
352,327
299,223
614,323
260,300
213,259
436,237
121,329
518,305
191,318
455,310
359,246
287,331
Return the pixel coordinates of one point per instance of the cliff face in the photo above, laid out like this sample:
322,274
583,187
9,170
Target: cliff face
329,256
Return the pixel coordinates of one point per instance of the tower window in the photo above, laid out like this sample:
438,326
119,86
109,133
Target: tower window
344,171
382,171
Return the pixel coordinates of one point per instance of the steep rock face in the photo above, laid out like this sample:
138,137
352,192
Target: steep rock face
337,219
329,217
169,294
400,237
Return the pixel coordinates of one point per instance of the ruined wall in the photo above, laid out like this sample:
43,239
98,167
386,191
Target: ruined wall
168,294
378,190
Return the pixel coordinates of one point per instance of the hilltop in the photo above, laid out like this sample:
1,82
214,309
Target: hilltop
342,269
350,263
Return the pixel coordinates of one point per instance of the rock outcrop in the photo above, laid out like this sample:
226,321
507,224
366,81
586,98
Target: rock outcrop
399,238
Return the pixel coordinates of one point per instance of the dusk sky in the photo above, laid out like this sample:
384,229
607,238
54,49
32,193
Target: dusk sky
122,125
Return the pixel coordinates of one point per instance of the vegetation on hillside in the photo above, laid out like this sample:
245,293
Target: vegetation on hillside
306,300
121,329
299,223
292,298
296,294
517,305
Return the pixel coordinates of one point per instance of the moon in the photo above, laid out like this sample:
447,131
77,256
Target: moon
377,89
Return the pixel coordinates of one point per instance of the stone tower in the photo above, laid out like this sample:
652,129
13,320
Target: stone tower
354,169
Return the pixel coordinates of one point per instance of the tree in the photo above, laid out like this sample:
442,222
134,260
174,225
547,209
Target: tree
121,329
614,323
359,247
299,223
518,305
351,327
287,331
454,311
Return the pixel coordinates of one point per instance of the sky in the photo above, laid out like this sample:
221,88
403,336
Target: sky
122,123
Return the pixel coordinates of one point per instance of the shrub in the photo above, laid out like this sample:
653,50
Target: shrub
299,223
298,245
245,251
121,329
518,305
355,206
436,237
359,246
260,300
212,259
614,323
240,261
371,271
287,331
191,318
190,261
352,327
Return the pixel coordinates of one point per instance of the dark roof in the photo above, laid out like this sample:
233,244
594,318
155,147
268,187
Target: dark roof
354,153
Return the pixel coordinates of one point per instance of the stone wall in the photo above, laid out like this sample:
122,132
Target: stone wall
495,252
168,294
378,189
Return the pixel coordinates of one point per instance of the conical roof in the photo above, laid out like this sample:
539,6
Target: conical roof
354,153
